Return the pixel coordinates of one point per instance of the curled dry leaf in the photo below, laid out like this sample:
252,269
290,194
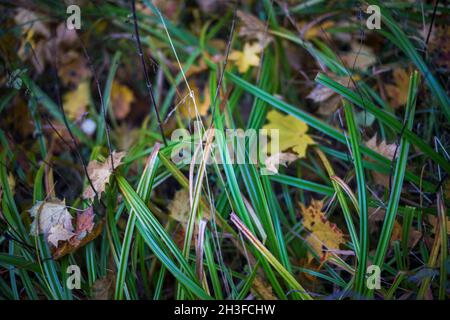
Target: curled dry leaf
99,173
273,162
248,57
121,99
74,244
52,219
325,236
292,132
72,65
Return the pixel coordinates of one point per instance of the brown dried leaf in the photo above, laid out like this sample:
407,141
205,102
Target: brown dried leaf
253,29
179,206
71,246
360,57
84,225
387,150
103,288
327,98
99,173
398,93
376,217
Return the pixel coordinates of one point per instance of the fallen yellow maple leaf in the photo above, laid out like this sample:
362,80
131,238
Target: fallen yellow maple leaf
325,236
292,132
121,99
76,101
246,58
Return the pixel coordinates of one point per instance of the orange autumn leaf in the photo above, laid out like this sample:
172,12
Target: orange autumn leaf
324,236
